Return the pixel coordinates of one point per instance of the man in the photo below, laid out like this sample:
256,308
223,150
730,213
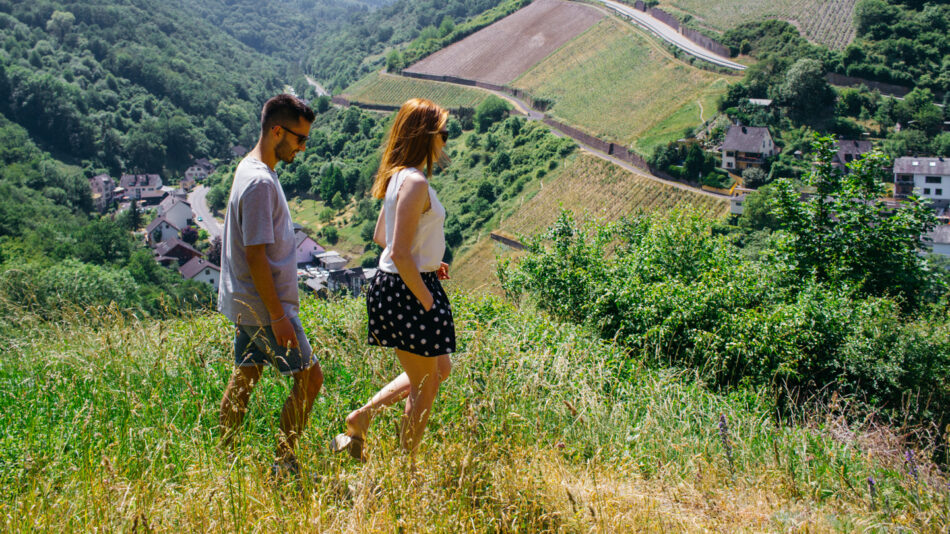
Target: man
258,287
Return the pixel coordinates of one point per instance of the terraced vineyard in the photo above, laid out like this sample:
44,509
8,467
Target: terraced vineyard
389,90
616,84
589,187
826,22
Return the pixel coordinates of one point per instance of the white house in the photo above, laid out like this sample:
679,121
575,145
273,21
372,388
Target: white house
746,146
176,210
139,186
103,191
941,240
201,270
735,204
201,169
331,261
927,177
307,248
161,230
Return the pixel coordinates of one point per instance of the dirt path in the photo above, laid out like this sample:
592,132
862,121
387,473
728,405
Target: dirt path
533,114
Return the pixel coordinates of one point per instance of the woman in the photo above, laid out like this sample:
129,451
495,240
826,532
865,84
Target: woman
407,307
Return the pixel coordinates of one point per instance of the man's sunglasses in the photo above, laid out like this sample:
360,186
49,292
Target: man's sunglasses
301,139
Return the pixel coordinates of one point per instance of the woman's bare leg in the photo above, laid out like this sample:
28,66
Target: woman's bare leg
358,421
425,376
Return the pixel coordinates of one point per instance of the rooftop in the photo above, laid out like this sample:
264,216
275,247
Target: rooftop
933,166
746,139
157,221
194,266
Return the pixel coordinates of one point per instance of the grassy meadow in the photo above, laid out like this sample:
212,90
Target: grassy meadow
109,425
590,188
826,22
385,89
615,83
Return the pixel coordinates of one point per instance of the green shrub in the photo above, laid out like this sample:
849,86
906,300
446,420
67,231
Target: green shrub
674,292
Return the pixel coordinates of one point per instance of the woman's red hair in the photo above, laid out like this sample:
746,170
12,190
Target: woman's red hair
412,141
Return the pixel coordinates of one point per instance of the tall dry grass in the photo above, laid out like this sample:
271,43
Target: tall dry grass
108,424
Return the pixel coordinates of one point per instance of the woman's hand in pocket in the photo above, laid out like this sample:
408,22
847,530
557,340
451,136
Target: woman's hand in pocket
427,301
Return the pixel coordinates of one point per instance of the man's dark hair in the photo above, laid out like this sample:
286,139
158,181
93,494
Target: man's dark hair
283,110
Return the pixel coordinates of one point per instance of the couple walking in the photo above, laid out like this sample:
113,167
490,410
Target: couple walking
406,305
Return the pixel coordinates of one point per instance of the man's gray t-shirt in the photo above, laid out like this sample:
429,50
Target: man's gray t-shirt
257,214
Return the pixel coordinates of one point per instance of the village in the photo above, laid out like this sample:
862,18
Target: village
928,178
174,231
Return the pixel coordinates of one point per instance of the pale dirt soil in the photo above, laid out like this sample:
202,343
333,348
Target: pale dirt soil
534,32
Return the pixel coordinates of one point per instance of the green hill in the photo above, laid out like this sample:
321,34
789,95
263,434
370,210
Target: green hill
617,84
109,424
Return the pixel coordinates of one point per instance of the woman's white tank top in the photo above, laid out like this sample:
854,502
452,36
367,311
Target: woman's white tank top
428,245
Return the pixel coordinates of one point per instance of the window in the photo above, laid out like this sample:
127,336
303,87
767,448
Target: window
938,192
848,158
926,190
932,180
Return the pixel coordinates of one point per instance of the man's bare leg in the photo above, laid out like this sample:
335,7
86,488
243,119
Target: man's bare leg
296,410
234,402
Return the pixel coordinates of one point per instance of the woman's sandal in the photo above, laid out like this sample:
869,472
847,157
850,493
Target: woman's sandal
351,444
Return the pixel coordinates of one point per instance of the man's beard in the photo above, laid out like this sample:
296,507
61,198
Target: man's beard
285,152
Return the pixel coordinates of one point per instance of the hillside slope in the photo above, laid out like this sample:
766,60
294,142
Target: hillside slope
616,84
826,22
109,425
588,187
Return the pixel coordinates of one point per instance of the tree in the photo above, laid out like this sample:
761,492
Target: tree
873,17
189,235
844,233
337,202
331,234
490,111
395,61
753,177
694,163
805,90
131,219
214,251
60,23
331,183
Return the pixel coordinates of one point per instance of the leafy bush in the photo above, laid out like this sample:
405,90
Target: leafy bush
854,314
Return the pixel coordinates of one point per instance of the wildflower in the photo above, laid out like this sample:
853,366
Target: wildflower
872,489
724,436
911,463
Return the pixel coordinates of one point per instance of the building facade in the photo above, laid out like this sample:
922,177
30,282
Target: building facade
103,191
746,146
926,177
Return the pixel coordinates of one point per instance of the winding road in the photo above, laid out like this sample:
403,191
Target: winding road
199,205
668,34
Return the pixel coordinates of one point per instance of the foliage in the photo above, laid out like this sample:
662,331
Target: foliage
373,39
672,290
490,111
846,236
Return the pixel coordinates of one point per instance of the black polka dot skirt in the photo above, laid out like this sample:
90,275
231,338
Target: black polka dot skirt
398,320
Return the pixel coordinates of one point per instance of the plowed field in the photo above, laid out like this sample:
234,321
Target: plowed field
501,52
827,22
